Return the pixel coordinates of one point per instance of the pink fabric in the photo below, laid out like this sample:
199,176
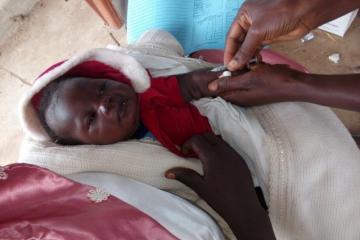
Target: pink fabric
39,204
268,56
271,57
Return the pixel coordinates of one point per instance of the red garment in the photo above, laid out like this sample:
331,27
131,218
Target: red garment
168,117
163,111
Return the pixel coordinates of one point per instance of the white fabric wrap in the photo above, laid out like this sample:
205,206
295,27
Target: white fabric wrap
305,161
241,129
126,64
161,54
177,215
301,154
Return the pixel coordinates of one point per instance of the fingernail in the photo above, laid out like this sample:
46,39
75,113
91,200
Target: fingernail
233,64
213,86
170,175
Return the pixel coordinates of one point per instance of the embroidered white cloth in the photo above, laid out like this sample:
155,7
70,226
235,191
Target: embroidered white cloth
177,215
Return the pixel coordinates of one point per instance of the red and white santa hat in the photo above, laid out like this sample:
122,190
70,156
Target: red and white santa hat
96,63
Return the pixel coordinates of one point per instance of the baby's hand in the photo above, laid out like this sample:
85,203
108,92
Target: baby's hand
194,85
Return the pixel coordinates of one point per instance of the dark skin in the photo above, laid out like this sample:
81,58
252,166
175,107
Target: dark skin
103,111
88,110
265,21
226,186
194,85
278,83
262,22
94,111
237,203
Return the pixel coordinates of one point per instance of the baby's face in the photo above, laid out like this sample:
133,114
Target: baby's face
94,111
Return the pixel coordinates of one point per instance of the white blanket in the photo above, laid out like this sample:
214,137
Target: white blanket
305,161
301,154
177,215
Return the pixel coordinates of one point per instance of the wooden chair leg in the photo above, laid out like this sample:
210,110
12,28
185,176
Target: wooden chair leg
357,140
106,11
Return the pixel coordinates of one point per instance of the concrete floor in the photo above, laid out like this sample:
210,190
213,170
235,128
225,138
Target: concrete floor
314,56
55,30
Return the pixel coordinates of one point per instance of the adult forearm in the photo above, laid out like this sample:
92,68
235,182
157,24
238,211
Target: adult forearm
342,91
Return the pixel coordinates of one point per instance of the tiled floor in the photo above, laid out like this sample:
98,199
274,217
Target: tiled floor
55,30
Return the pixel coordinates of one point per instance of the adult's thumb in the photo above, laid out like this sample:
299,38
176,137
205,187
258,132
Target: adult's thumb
225,84
187,176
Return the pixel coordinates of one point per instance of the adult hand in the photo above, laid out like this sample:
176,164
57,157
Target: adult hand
261,22
265,21
278,83
262,85
226,186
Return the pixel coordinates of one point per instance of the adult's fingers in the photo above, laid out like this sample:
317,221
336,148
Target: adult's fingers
240,82
187,176
247,50
243,98
210,77
196,144
202,147
212,139
234,39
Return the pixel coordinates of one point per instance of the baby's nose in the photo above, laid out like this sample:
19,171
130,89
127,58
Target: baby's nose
104,106
103,109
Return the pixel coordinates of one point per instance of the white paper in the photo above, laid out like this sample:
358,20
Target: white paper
340,25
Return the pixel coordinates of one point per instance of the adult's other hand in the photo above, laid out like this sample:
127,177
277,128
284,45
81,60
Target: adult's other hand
226,186
265,21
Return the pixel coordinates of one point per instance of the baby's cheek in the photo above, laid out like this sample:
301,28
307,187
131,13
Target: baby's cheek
132,121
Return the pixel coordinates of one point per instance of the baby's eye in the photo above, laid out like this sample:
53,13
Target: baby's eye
102,88
91,119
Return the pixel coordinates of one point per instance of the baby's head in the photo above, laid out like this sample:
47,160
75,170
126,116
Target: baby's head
83,110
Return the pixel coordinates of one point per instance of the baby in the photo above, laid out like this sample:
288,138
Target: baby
83,110
89,111
104,96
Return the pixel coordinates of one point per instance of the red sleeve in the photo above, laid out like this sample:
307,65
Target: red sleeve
168,87
168,117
